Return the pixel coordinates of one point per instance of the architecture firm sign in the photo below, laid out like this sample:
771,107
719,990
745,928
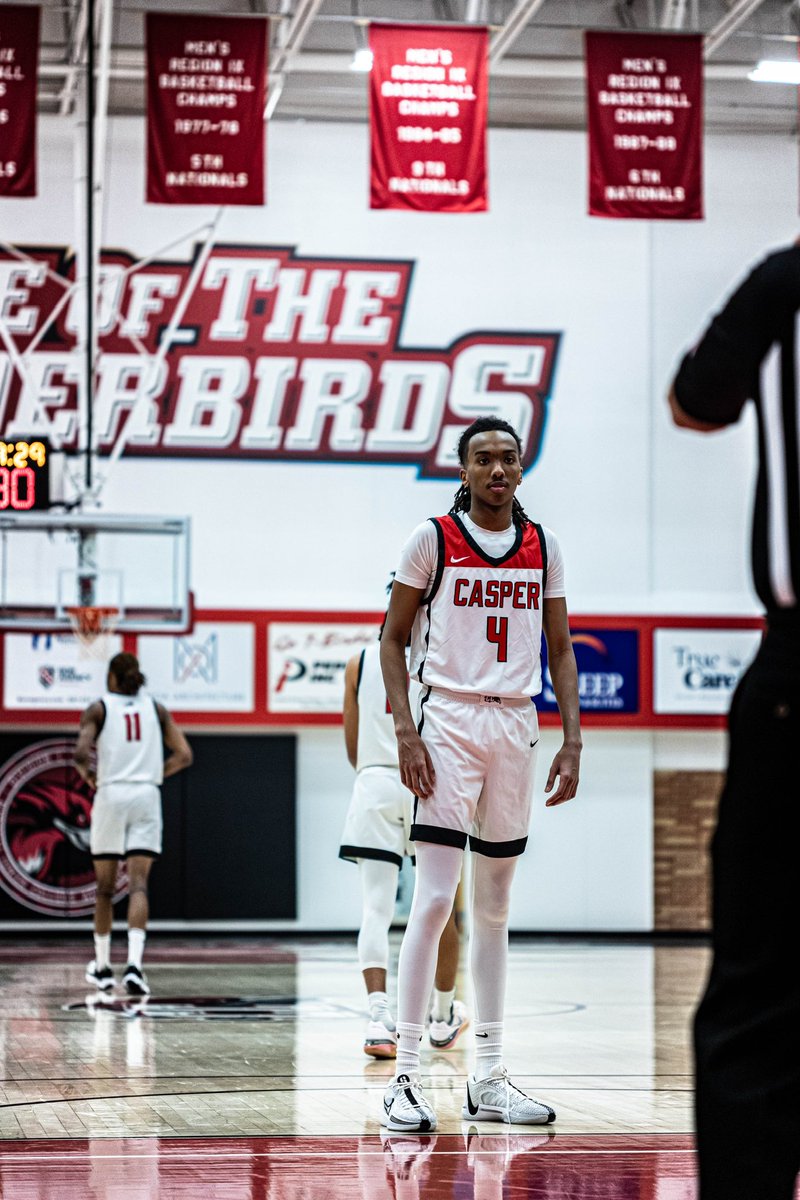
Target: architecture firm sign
206,85
428,102
645,119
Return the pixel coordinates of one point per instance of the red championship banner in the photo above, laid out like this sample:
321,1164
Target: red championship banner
645,109
19,59
428,100
206,87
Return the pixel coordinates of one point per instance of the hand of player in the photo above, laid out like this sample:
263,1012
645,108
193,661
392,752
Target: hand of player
88,775
565,765
416,768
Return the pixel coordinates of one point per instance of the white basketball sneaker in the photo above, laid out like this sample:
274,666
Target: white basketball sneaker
101,977
444,1034
380,1040
405,1109
496,1099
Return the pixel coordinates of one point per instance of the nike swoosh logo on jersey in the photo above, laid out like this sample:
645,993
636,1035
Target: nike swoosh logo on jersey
458,560
481,1035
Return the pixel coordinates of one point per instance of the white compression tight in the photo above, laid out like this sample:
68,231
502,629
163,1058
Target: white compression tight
378,895
438,872
488,950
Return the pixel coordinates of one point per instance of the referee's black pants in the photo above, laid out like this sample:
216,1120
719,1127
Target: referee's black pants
747,1027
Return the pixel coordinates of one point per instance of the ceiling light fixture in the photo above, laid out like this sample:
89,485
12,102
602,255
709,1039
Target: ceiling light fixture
362,60
776,70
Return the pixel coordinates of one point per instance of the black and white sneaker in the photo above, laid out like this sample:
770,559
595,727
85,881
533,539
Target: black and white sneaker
496,1099
135,981
405,1109
101,977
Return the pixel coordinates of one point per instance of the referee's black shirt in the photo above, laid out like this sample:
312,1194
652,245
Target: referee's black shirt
749,351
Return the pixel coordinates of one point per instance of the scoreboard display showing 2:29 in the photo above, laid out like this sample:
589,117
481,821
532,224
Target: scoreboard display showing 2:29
24,475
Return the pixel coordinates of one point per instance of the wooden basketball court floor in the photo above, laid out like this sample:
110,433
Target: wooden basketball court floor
243,1077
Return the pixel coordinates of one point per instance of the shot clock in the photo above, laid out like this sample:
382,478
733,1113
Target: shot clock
24,475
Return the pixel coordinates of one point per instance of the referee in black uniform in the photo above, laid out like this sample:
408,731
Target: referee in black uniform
747,1027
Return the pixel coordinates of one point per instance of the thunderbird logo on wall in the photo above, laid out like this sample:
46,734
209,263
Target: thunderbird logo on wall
275,356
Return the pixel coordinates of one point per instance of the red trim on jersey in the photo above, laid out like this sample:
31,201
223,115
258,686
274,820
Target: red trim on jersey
460,552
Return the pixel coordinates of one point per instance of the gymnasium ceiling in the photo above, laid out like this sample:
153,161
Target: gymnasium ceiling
535,57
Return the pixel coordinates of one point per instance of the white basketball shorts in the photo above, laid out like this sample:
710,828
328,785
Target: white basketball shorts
378,822
126,819
483,750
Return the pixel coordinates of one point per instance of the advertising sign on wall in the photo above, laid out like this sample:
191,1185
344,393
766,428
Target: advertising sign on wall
306,663
19,59
50,672
608,671
428,101
211,669
645,125
697,670
206,87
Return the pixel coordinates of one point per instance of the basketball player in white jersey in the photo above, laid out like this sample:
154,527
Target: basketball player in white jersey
376,837
129,729
475,590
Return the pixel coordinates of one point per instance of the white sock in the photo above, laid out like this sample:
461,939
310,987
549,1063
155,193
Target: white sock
379,1008
102,950
409,1038
442,1005
136,946
488,1047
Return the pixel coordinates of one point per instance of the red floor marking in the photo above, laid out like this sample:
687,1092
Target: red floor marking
159,950
527,1165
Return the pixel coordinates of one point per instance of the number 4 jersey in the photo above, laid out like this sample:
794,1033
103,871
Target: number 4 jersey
129,746
479,624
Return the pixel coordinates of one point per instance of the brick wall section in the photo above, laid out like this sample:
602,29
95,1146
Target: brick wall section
685,812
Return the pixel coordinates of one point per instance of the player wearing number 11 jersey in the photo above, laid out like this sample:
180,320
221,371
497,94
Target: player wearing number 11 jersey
129,730
475,590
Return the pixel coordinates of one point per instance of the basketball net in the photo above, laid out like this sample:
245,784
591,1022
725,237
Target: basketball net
94,626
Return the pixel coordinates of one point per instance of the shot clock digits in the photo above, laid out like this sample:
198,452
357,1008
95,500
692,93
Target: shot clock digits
24,475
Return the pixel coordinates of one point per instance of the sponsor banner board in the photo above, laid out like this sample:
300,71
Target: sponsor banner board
19,59
51,672
697,670
306,662
645,125
206,89
608,672
210,669
428,103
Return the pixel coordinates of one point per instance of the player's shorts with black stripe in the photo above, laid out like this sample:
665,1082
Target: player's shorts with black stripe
483,750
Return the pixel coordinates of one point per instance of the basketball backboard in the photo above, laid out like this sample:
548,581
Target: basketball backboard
51,563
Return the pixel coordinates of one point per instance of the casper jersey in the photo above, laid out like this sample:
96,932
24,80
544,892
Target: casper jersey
377,745
479,628
129,746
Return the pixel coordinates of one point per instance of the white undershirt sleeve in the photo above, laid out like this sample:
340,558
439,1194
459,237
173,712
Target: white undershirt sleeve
417,565
555,567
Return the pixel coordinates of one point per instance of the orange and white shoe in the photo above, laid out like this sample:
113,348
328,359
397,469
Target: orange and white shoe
444,1034
380,1040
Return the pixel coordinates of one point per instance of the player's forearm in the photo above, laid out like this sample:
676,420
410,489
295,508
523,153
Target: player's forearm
564,674
395,680
177,761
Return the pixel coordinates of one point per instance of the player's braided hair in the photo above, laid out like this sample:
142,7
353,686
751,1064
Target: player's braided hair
463,497
125,669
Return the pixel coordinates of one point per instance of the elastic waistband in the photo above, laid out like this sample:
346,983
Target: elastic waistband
479,698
